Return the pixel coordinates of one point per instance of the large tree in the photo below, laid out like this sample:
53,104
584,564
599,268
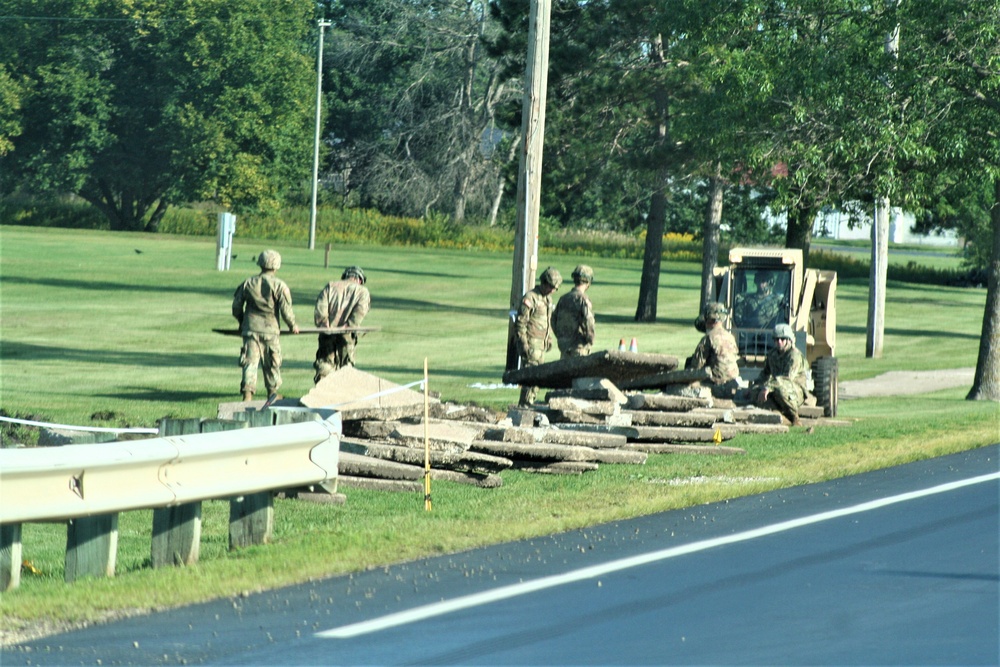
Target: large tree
413,95
135,106
950,66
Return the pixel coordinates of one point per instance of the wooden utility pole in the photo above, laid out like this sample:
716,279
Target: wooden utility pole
529,175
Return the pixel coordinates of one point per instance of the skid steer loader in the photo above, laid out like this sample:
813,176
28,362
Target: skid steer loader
763,287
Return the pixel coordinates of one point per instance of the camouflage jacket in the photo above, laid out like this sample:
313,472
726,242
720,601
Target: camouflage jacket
259,301
789,365
534,321
573,320
753,310
717,351
342,303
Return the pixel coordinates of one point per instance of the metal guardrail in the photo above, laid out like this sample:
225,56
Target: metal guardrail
87,486
60,483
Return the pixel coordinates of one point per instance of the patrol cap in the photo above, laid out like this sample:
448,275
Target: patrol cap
784,331
715,311
354,272
583,274
269,260
552,277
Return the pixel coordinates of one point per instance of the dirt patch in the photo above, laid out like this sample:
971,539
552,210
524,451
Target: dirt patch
898,383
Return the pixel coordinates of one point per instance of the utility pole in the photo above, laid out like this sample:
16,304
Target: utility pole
529,176
323,25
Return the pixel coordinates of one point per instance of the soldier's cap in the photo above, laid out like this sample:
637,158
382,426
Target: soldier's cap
714,311
784,331
354,272
583,274
269,260
552,277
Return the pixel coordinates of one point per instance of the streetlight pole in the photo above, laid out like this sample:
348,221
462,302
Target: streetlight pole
319,95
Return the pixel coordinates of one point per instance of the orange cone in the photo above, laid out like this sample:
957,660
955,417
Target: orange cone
621,345
634,347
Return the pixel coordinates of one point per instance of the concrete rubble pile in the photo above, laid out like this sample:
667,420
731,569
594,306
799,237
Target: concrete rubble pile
584,422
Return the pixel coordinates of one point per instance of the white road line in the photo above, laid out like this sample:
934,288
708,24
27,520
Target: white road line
505,592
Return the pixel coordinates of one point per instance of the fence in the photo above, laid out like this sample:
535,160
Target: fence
87,486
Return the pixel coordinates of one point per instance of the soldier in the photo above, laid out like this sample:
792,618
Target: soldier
573,319
782,381
716,351
534,327
257,304
760,309
342,303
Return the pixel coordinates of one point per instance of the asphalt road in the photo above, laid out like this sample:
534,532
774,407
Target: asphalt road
894,567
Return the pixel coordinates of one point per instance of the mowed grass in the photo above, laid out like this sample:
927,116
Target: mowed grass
94,333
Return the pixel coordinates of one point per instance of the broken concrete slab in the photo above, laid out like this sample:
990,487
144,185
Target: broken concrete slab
556,467
667,448
679,434
376,484
400,453
537,452
666,378
666,402
657,418
446,436
359,395
625,456
614,365
584,439
588,407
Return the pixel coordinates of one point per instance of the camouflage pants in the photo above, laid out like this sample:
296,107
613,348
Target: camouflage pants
785,396
335,351
726,389
574,351
261,350
532,355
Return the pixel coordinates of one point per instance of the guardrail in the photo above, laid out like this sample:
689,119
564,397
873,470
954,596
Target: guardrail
88,485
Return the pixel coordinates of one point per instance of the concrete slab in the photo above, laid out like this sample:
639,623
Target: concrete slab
359,395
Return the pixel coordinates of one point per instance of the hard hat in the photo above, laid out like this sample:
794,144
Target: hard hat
715,311
784,331
583,274
354,272
551,276
269,260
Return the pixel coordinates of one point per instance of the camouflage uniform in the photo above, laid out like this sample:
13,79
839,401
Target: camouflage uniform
784,376
257,304
757,310
717,351
573,323
342,303
534,329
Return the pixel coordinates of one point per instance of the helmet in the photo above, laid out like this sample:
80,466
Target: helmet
269,260
714,311
354,272
583,274
784,331
551,276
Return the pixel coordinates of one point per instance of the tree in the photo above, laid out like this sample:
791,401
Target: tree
412,98
136,106
951,68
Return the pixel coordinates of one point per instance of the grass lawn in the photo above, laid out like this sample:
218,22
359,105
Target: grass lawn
115,329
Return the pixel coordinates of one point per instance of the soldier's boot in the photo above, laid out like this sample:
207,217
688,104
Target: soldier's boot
247,396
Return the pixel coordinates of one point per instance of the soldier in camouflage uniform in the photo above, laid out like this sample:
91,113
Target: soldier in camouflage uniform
782,382
534,327
717,351
760,309
342,303
257,304
573,320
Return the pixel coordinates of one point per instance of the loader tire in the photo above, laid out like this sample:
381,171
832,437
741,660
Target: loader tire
826,374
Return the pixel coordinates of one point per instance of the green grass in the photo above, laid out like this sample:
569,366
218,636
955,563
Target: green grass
90,327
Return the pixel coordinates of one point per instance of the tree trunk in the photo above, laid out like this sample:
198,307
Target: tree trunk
986,384
799,232
877,279
649,284
710,238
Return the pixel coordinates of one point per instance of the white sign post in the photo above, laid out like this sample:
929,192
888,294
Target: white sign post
227,227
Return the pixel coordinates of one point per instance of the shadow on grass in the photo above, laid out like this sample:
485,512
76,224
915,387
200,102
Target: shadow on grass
154,394
928,333
28,351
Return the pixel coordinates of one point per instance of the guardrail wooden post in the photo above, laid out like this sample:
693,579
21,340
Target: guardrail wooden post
10,556
251,516
177,529
91,546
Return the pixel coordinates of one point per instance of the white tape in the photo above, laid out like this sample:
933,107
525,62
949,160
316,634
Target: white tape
334,406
